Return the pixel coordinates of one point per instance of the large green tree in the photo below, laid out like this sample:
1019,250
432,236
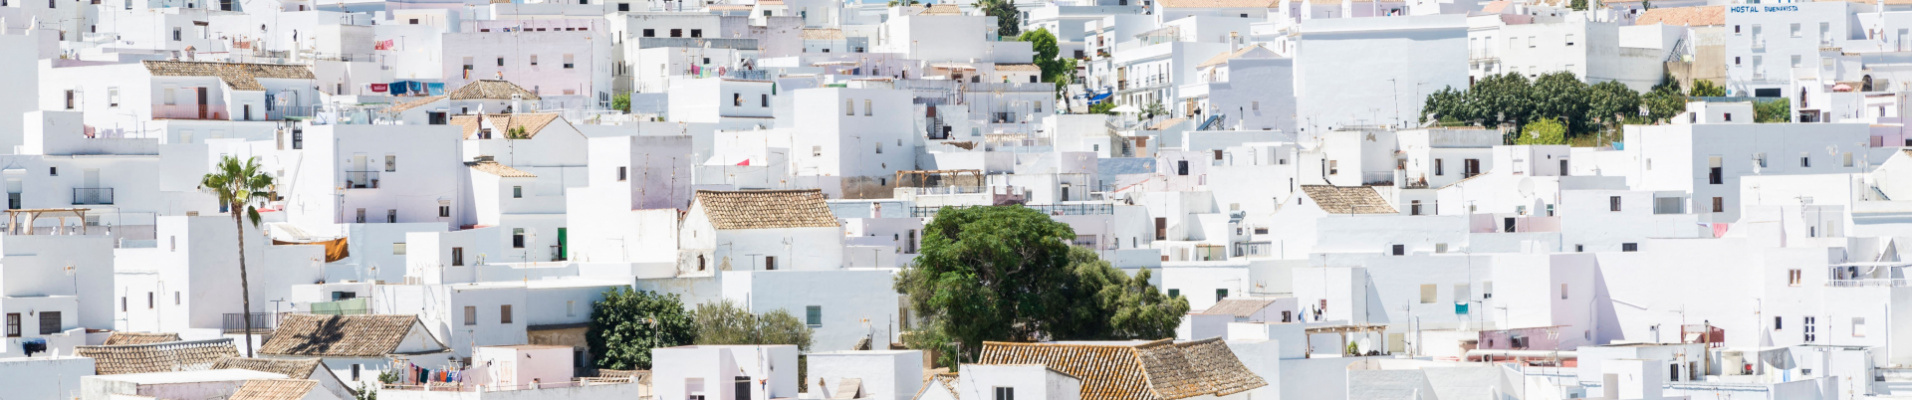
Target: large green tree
1664,101
1008,19
1561,96
1055,69
1504,98
241,188
1772,111
724,322
627,324
1008,273
1611,102
1543,131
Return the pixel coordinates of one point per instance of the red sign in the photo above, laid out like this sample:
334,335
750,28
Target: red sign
380,87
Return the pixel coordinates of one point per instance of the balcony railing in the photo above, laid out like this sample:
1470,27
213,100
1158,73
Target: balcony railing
1054,209
361,179
262,323
1879,282
92,196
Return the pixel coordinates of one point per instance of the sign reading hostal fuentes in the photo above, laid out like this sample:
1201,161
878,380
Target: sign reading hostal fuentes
1760,9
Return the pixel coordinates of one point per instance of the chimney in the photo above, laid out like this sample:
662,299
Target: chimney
517,103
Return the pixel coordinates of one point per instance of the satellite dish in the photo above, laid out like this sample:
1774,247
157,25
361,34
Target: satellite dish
1526,187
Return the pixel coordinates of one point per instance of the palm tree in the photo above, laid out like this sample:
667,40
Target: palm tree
241,186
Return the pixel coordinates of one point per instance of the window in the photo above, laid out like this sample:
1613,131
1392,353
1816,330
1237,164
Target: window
398,249
813,316
677,33
1005,393
1221,294
1715,171
770,263
72,99
122,303
517,192
176,298
176,33
1414,208
763,100
1858,327
816,151
1719,204
623,173
1778,323
570,308
1173,293
569,62
621,7
1811,329
697,33
517,238
534,60
1613,203
1629,247
737,99
1400,249
501,61
1805,160
13,324
1847,159
1334,167
650,33
849,107
1729,116
1792,277
1563,291
444,211
355,371
457,256
1439,167
504,314
1429,293
867,111
414,21
1760,160
471,315
151,300
1796,32
49,322
360,218
112,97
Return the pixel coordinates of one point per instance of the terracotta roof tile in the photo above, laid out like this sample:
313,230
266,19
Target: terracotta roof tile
491,89
494,168
294,368
1018,67
274,389
501,124
1238,307
1158,370
421,102
238,76
766,209
1348,200
943,9
339,335
121,338
1685,16
197,355
822,34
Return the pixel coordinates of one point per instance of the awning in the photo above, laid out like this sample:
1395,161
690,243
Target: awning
335,249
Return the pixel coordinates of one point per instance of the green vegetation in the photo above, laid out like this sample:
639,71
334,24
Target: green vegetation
1706,88
1008,273
1105,107
1008,19
621,102
627,324
1582,109
1772,111
1544,131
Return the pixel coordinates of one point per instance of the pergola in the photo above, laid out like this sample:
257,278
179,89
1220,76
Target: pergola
939,178
13,218
1343,330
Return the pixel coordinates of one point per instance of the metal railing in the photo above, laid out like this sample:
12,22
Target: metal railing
261,323
1052,209
92,196
361,179
947,190
1877,282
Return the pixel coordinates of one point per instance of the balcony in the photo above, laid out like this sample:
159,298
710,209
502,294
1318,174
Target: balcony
1053,210
86,196
262,323
361,179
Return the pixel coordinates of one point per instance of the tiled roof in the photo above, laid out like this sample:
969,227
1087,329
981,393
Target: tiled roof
491,89
1685,16
766,209
1158,370
339,335
238,76
1223,58
295,368
1018,67
1238,307
502,124
274,389
822,34
421,102
1348,200
120,338
1219,3
943,9
1495,7
197,355
494,168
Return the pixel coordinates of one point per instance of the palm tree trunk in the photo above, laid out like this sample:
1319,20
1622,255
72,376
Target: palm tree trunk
245,290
